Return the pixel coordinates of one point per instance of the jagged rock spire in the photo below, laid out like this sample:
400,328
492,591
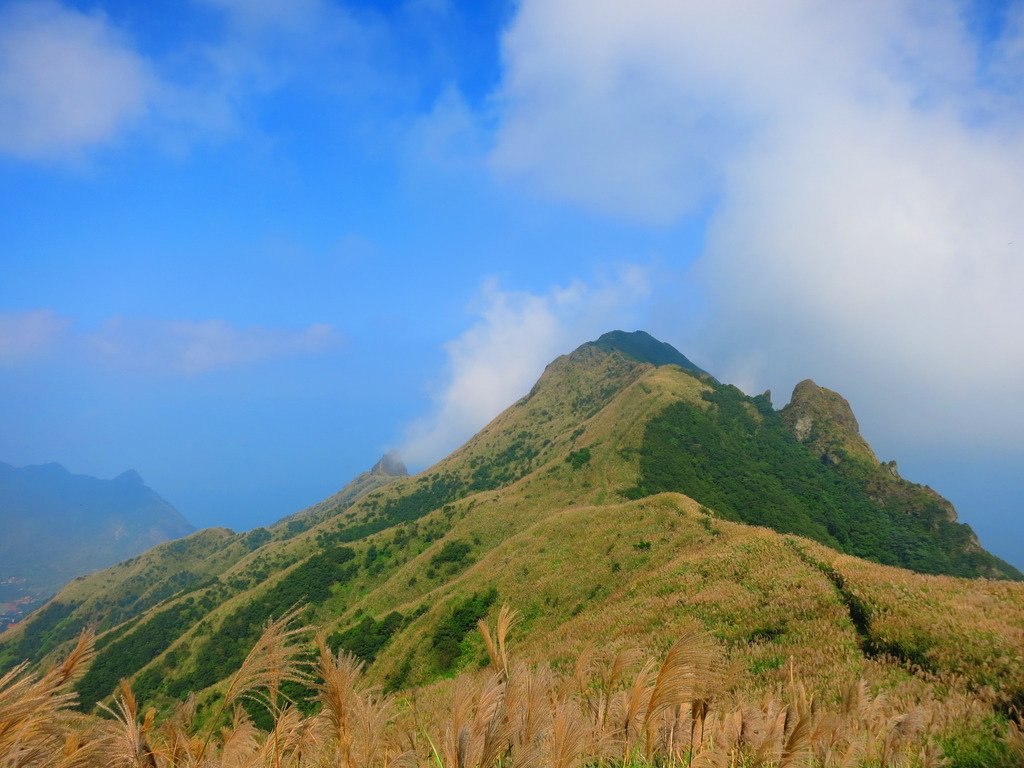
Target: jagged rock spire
390,464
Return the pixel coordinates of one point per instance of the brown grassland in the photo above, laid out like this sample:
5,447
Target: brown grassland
609,709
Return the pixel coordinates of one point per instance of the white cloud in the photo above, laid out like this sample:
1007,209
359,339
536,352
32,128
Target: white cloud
503,353
71,81
68,80
635,108
26,336
156,347
864,169
449,138
179,347
891,260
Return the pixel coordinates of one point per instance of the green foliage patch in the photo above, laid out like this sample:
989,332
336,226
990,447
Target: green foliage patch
256,538
737,457
506,466
446,640
43,632
452,552
984,748
578,459
127,655
219,655
367,638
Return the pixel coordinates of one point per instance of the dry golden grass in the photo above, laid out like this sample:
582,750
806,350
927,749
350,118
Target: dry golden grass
956,628
613,709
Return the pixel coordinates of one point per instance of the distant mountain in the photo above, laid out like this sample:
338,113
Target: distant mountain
57,525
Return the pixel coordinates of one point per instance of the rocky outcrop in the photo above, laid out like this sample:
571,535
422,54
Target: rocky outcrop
390,465
824,421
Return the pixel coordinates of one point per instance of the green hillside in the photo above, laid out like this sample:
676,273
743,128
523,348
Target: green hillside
617,503
735,454
114,600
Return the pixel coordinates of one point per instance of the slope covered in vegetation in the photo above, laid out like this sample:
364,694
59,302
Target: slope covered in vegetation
735,454
559,507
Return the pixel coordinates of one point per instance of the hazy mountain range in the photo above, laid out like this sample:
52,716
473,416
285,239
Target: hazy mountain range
58,525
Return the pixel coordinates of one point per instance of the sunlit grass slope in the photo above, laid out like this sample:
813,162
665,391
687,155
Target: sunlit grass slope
599,506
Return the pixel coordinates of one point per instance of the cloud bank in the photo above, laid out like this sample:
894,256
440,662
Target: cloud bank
28,336
68,80
153,347
73,81
515,335
863,166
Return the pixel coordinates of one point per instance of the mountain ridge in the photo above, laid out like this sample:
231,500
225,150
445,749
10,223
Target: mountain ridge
540,509
387,469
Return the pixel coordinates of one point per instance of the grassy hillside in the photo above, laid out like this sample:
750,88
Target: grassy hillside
775,616
605,506
114,601
117,596
288,707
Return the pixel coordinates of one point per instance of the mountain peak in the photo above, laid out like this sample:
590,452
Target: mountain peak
823,419
644,348
390,464
129,477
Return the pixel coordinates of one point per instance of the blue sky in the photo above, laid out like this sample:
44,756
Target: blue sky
248,245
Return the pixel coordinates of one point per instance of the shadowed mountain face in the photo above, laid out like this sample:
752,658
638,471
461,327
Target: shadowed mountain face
628,493
644,348
57,525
